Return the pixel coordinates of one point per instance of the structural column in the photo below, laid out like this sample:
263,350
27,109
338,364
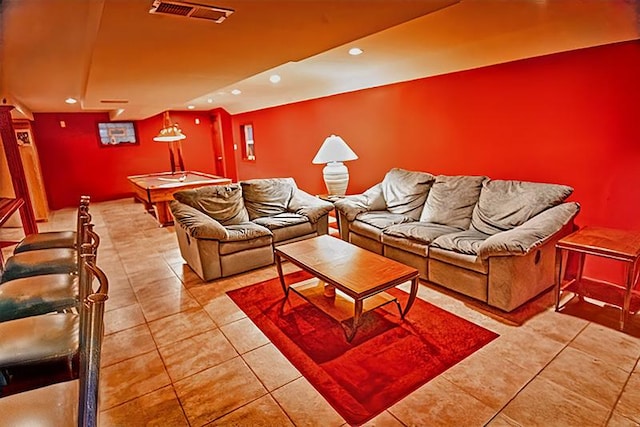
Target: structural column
16,169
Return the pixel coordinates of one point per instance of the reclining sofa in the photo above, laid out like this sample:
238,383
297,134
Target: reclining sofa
492,240
229,229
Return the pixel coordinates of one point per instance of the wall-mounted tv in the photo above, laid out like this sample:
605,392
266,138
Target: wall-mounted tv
117,133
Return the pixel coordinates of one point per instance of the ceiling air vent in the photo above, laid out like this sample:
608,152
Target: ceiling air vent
190,10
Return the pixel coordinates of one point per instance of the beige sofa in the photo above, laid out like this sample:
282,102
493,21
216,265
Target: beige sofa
492,240
225,230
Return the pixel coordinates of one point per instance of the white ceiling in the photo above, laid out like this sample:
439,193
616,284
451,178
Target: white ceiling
114,50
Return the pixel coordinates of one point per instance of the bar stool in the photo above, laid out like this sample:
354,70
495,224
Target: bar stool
55,239
47,293
71,402
49,261
36,340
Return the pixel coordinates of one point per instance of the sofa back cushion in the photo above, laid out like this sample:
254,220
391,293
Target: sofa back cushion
451,200
504,205
267,197
405,191
223,203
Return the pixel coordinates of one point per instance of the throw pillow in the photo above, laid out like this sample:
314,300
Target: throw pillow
267,197
223,203
405,191
451,200
504,205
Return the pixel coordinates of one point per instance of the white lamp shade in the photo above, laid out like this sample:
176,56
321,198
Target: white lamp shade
334,149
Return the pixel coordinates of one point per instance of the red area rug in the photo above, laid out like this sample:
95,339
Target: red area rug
387,359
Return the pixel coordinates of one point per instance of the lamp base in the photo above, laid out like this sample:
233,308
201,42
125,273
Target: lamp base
336,178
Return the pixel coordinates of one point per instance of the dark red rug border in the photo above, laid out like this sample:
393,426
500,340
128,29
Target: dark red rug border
260,300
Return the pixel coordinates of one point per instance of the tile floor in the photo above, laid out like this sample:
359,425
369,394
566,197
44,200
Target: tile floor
177,351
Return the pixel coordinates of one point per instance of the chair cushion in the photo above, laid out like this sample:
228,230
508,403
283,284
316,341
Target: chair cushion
246,231
281,220
464,242
382,219
47,240
418,231
405,191
451,200
44,261
38,339
504,205
224,203
267,197
32,296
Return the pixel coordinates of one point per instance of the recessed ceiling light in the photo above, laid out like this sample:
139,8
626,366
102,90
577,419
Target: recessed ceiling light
210,100
70,100
236,92
191,107
355,51
274,78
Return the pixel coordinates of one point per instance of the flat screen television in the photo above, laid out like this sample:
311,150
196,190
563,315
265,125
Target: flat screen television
117,133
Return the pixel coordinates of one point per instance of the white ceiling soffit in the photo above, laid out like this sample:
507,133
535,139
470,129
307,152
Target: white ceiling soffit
113,55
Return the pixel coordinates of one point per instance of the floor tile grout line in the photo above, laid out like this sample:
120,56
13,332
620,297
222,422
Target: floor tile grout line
624,386
537,375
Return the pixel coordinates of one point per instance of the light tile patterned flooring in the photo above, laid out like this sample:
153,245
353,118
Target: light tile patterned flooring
177,351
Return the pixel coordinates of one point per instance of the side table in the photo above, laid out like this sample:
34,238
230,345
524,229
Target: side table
619,245
332,198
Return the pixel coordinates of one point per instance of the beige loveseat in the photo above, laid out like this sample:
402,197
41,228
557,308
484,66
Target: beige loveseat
225,230
492,240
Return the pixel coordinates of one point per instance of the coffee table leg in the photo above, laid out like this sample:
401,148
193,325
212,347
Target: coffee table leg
412,295
356,319
285,289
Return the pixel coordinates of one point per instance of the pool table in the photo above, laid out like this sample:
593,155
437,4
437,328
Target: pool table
156,190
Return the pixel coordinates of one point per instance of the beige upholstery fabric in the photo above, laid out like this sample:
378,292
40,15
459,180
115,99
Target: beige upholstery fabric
370,200
245,231
465,242
451,200
267,197
418,231
382,219
533,233
312,207
198,224
405,191
504,205
223,203
469,262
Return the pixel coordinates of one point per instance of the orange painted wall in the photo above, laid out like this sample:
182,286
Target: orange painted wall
569,118
73,163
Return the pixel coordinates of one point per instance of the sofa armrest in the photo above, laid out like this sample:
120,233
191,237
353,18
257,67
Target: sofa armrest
312,207
196,223
523,239
370,200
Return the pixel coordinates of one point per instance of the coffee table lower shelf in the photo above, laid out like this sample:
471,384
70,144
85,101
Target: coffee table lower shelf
340,307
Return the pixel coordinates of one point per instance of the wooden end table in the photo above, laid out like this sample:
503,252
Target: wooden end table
619,245
361,275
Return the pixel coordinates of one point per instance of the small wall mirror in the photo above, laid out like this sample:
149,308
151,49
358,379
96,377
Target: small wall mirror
248,149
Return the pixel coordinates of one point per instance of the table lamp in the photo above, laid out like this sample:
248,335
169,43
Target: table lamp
172,134
333,152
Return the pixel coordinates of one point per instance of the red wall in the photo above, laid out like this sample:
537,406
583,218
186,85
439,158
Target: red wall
73,162
570,118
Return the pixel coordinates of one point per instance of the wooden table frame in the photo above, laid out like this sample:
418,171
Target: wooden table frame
607,243
339,264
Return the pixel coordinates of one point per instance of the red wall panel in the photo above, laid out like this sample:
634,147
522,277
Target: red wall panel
73,162
568,118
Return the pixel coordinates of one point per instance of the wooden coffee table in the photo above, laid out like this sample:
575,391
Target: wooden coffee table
360,276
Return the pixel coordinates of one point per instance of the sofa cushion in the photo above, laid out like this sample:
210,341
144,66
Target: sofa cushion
267,197
418,231
382,219
246,231
451,200
464,242
405,191
504,205
223,203
281,220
